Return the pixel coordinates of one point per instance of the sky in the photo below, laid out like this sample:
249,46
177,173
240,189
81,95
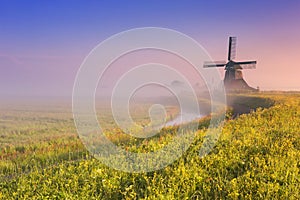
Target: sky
43,43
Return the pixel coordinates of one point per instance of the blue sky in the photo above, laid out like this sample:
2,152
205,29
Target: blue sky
44,42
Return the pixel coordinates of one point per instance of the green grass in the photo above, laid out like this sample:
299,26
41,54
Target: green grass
256,157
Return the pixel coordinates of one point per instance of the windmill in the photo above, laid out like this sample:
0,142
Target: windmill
233,76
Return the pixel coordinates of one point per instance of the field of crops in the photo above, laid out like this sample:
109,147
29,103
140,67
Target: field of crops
256,157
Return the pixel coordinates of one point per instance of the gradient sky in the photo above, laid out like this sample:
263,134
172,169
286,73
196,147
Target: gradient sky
43,43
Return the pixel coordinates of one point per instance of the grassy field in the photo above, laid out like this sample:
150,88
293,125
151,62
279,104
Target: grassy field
256,157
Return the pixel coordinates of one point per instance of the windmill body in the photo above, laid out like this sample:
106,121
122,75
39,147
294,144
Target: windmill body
234,80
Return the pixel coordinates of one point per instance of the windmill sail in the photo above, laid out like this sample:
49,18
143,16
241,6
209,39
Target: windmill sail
247,64
232,48
214,64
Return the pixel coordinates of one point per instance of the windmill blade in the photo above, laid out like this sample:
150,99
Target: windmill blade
214,64
247,64
232,48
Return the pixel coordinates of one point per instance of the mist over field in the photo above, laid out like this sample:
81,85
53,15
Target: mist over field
149,99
